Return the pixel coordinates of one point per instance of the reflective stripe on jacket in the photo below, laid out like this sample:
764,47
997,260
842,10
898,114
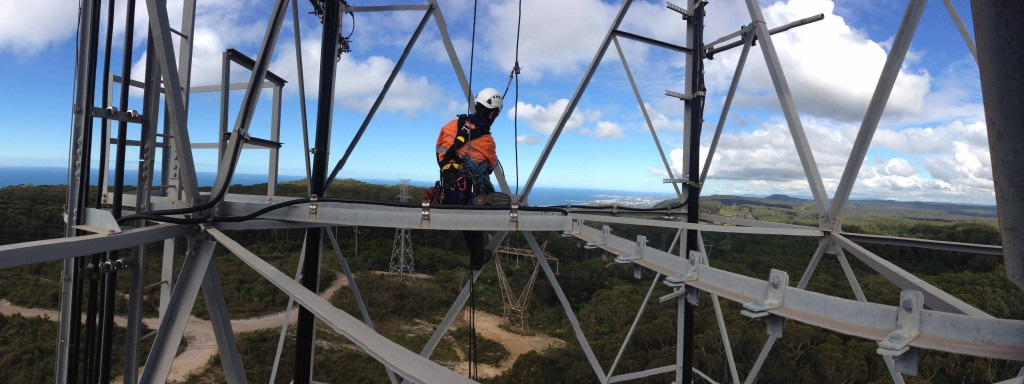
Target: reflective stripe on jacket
482,148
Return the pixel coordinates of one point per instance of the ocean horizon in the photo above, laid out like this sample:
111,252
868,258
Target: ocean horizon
541,196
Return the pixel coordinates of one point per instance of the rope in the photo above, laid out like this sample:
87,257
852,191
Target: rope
514,75
473,374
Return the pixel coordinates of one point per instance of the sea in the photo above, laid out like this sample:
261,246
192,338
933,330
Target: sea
540,196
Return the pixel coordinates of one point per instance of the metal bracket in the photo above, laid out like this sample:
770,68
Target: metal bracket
680,10
641,245
685,97
692,293
775,325
513,213
907,362
577,227
908,325
678,291
777,283
680,96
99,221
425,213
313,201
690,268
606,232
111,113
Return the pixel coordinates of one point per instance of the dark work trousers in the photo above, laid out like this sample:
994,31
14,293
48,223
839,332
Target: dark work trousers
474,239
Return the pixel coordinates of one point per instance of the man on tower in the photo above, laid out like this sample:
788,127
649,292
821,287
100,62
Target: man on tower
466,155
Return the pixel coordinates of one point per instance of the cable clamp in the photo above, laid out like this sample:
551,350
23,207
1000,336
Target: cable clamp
313,200
513,213
425,213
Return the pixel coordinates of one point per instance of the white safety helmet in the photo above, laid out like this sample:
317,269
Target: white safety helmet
489,98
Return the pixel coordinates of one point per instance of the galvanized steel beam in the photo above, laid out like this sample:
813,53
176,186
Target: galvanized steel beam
32,252
997,26
575,99
943,331
796,128
891,69
159,27
980,249
172,326
580,337
234,371
647,116
406,363
934,297
407,217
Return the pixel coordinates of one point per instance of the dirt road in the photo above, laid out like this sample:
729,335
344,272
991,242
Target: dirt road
202,343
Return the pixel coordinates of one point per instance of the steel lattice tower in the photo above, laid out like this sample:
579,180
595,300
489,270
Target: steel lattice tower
401,252
170,208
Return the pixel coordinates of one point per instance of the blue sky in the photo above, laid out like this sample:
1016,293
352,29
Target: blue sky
930,145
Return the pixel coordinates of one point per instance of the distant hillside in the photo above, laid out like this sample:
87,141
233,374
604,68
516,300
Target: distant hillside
794,209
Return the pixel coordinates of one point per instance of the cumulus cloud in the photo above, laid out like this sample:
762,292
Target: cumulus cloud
831,67
409,93
966,168
769,153
543,119
29,27
604,129
900,167
557,37
933,139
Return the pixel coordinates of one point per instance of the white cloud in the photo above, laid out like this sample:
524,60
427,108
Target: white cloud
831,67
409,94
604,129
966,168
900,167
557,37
543,119
527,139
662,122
932,139
29,27
768,152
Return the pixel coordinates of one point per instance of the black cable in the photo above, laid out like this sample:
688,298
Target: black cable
201,207
472,52
353,14
563,209
232,219
472,323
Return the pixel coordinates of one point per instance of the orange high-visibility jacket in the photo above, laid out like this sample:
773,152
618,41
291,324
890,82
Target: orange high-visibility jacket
481,148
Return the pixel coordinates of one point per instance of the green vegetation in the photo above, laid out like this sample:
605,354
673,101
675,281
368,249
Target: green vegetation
604,295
